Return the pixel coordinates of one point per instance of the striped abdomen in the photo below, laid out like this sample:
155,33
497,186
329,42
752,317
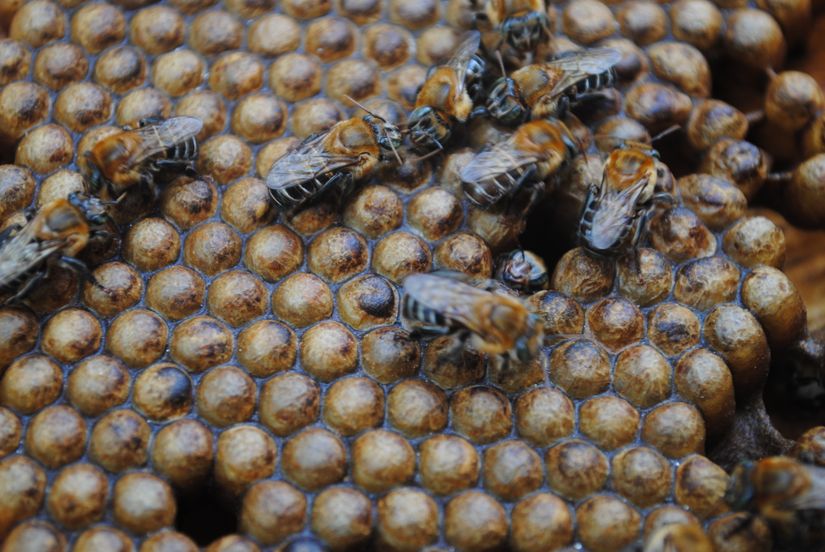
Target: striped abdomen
490,190
185,150
603,227
593,83
415,310
422,318
288,197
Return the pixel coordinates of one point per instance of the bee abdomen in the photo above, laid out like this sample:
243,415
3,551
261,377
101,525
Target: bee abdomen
593,83
297,194
186,150
489,191
414,310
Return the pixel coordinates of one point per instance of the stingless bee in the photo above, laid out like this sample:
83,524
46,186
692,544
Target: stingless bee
336,158
536,150
443,100
135,157
548,89
787,494
522,24
522,271
55,234
493,321
615,210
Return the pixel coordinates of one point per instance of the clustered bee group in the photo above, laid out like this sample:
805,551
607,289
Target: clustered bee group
488,316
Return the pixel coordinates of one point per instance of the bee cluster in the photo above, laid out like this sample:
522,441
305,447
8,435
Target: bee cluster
255,328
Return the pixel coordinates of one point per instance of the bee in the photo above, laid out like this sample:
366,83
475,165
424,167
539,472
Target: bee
522,271
336,158
522,24
787,494
55,234
493,321
536,150
614,211
548,89
444,99
135,157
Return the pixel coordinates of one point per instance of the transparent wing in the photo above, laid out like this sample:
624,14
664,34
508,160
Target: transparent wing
22,252
461,59
159,137
578,65
617,210
307,161
498,159
450,296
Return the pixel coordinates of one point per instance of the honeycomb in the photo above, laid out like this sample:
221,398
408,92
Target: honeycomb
244,383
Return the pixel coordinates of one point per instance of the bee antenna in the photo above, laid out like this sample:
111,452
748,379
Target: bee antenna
354,101
783,176
427,155
669,130
755,116
392,147
501,63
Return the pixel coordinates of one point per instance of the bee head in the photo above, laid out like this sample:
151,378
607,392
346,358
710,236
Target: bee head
95,179
428,128
525,32
740,491
527,346
388,135
504,104
93,210
515,271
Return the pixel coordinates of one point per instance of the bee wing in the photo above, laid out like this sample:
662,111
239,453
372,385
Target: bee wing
617,209
159,137
22,252
305,162
460,61
450,296
579,65
498,159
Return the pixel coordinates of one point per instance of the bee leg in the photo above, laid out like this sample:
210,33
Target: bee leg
663,197
563,107
6,234
27,286
525,182
535,192
79,266
479,111
455,352
149,121
741,525
148,181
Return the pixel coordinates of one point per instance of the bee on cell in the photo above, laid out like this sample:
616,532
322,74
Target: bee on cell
616,209
518,165
137,158
549,89
479,314
55,234
332,160
521,25
445,99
